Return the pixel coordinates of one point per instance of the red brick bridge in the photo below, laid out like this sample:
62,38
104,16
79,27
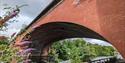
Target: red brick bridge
98,19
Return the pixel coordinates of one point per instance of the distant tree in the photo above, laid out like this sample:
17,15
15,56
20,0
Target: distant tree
78,51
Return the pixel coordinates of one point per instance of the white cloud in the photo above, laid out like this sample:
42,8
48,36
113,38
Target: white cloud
22,19
9,32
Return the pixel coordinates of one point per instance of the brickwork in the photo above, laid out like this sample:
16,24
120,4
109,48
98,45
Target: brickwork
105,18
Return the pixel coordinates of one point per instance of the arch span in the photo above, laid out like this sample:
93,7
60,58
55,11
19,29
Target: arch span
62,30
44,35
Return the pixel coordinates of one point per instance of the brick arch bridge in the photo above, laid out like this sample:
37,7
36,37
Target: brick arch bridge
100,19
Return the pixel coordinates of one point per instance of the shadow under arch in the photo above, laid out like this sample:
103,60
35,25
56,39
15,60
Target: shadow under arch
44,35
63,30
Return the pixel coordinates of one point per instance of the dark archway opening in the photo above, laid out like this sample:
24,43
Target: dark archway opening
44,35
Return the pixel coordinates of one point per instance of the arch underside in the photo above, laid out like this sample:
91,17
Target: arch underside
46,34
55,31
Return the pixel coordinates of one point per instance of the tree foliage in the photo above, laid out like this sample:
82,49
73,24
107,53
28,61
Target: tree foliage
78,51
7,53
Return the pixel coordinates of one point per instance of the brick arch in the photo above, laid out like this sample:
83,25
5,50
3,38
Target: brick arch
104,17
44,35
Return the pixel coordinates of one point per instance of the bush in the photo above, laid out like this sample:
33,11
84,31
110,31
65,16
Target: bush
8,53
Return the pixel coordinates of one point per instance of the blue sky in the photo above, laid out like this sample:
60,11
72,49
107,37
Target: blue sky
28,13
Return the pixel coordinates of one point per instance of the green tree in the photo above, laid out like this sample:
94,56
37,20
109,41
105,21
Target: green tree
78,50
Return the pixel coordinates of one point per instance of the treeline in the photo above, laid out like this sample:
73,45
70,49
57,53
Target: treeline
78,51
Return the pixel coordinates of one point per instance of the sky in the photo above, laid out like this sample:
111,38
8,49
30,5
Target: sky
28,14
